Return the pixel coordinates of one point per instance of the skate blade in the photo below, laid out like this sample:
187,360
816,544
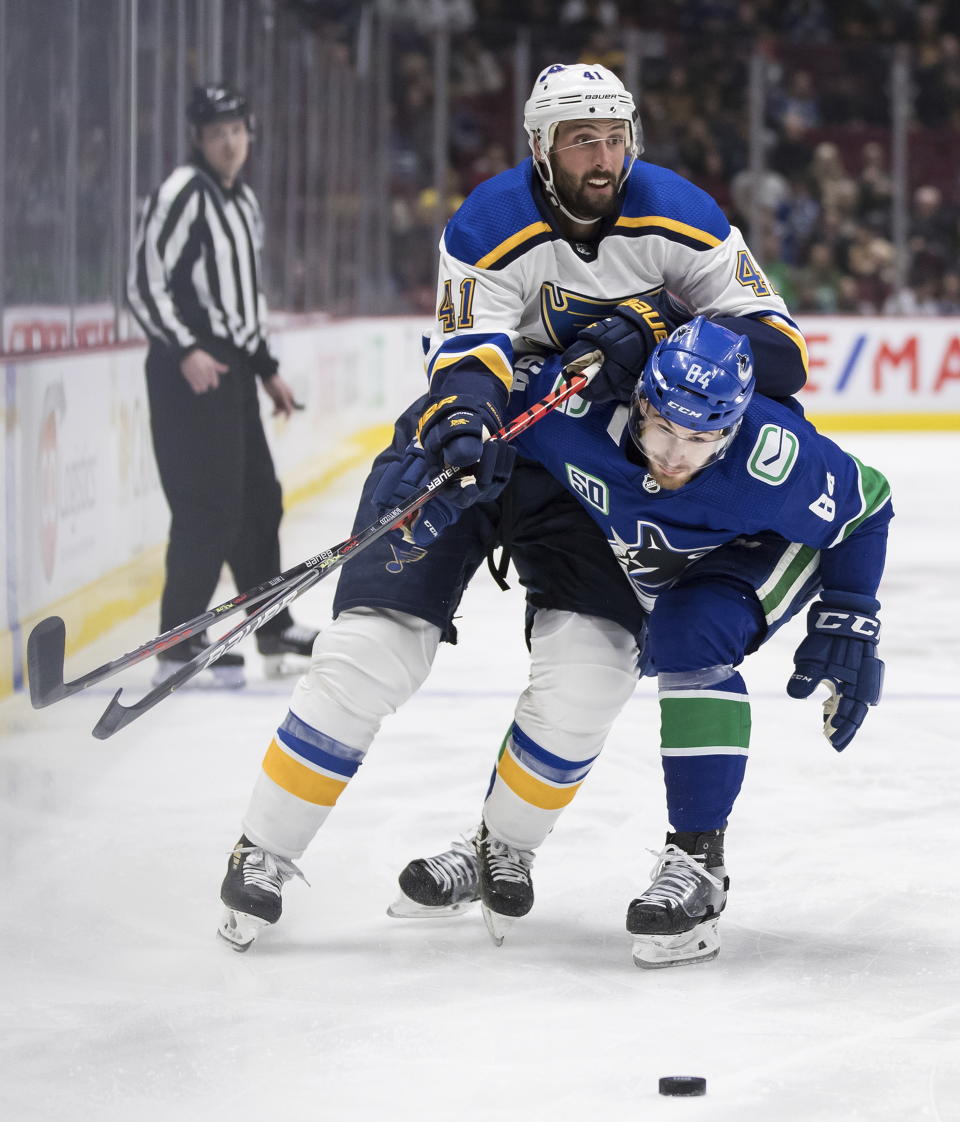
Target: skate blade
405,908
213,678
655,952
285,665
497,925
239,929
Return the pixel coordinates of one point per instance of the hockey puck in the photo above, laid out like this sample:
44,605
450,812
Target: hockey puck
683,1085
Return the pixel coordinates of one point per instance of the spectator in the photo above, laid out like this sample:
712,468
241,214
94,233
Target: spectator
933,241
818,280
799,217
831,182
875,187
474,69
948,302
870,259
799,100
792,152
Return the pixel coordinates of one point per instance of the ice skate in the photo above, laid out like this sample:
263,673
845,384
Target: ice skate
288,651
506,887
226,673
674,922
444,885
251,892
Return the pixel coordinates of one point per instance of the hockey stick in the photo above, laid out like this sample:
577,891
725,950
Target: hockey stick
45,646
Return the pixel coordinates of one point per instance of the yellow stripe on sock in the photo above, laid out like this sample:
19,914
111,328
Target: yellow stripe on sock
530,788
299,780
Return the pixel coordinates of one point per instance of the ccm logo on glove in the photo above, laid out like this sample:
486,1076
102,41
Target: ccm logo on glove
865,626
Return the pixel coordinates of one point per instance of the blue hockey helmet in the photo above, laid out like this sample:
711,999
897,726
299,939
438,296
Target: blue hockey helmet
699,378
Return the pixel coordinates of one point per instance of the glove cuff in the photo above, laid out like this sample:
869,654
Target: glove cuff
852,601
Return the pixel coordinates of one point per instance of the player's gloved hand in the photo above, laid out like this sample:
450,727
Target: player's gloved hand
479,483
840,651
452,428
625,339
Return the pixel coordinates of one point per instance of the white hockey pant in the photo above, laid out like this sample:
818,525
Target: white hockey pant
583,671
365,665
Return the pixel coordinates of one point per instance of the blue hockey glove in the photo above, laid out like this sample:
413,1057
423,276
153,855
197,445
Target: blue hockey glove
480,483
452,429
625,339
840,651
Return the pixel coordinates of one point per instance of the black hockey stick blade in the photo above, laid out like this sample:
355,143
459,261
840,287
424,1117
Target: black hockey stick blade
46,643
117,716
45,649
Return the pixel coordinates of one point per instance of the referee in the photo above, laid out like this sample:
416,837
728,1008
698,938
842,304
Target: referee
195,287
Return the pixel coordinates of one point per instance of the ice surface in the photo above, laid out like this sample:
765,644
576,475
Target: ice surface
836,995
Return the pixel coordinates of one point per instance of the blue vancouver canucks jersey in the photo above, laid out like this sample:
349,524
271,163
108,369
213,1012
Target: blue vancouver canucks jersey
779,476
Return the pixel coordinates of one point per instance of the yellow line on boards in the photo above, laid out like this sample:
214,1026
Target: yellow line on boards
119,594
885,422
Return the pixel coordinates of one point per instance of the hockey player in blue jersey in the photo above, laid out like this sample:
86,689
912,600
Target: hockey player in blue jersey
728,513
580,232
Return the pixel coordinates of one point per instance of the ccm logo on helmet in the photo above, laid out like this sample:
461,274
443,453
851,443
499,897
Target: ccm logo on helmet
683,409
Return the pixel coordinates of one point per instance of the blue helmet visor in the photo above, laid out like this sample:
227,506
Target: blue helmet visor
672,447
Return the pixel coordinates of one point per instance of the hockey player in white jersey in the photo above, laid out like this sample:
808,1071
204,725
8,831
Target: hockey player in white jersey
728,513
579,232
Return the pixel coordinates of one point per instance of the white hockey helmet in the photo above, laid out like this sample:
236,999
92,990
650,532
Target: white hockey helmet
581,91
576,92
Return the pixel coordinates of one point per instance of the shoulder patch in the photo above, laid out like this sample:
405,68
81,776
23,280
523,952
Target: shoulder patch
773,455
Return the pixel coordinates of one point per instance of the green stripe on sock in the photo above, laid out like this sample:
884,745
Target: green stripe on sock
700,722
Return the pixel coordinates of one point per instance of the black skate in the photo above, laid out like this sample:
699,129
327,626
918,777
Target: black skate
444,885
506,887
674,922
226,673
286,651
251,892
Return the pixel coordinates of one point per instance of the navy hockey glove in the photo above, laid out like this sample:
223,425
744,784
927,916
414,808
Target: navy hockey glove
452,429
625,339
840,651
481,483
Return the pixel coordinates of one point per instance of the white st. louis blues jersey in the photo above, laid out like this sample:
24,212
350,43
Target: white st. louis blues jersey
778,476
510,283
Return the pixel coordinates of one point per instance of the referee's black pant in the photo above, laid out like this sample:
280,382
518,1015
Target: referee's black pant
217,474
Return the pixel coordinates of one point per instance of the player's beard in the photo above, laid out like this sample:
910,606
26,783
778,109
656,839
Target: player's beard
580,200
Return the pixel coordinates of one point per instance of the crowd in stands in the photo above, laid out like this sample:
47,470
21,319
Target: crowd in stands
821,220
837,226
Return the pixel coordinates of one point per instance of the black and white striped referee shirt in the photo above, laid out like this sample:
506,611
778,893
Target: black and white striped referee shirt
196,267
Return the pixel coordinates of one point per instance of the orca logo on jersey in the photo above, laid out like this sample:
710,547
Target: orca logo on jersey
651,562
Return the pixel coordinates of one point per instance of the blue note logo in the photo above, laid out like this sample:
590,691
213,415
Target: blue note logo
564,313
773,455
403,554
